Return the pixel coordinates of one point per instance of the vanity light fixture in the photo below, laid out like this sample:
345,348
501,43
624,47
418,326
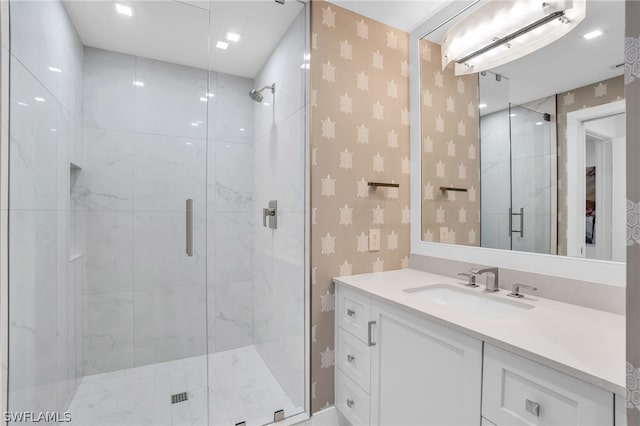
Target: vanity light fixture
498,32
593,34
222,45
124,10
233,37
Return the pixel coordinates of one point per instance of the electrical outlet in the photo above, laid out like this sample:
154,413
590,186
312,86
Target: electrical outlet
374,240
444,234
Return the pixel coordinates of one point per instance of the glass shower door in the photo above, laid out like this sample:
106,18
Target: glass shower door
531,189
108,166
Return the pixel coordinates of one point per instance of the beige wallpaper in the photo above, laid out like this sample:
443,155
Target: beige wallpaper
450,151
359,133
588,96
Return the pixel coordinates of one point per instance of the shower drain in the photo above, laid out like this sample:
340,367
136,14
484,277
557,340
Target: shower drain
179,397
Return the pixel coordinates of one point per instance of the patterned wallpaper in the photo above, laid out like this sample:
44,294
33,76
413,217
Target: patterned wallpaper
632,82
359,133
450,151
588,96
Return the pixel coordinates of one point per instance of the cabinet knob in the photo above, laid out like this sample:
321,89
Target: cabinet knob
350,403
532,407
350,358
351,312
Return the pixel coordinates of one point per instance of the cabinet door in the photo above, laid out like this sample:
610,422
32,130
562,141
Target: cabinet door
423,373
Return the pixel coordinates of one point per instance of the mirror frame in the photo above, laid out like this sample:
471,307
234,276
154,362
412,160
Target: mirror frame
598,271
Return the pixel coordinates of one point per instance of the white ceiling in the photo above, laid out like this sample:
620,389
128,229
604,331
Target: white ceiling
179,32
404,15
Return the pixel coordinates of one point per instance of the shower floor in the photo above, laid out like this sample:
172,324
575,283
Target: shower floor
242,388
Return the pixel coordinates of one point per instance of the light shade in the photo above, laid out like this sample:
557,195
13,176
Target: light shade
501,31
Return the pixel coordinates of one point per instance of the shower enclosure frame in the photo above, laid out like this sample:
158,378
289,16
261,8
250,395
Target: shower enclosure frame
4,225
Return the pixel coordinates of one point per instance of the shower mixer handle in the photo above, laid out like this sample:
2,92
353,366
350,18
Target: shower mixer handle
269,214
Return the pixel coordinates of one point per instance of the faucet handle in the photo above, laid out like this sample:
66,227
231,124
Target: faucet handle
515,290
471,277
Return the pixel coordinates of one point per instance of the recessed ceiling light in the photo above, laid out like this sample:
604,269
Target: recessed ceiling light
194,124
55,69
512,114
482,106
593,34
138,83
203,99
233,36
39,99
23,104
222,45
242,130
539,123
266,103
210,95
53,130
124,10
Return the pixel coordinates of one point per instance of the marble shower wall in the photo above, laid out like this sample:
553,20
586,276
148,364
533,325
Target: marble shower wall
45,236
149,147
279,255
359,133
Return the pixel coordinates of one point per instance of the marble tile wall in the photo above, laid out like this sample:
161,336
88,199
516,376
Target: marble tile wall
148,148
45,275
279,260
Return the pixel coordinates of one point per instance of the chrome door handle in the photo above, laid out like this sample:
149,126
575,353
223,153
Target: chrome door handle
350,403
521,214
532,407
370,341
351,312
350,358
189,230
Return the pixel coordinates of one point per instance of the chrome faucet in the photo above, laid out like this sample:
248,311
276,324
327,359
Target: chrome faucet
515,292
493,282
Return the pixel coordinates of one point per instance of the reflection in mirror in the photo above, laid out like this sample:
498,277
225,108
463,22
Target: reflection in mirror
510,156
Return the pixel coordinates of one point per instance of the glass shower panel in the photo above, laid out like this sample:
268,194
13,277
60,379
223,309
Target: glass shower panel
531,189
256,318
108,196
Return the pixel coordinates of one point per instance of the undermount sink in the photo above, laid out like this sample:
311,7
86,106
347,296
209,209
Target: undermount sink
482,304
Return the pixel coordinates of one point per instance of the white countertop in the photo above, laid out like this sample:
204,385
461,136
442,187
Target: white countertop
585,343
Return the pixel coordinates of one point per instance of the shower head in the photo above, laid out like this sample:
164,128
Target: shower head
256,95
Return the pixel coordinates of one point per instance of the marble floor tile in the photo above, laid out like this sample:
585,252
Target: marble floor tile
240,387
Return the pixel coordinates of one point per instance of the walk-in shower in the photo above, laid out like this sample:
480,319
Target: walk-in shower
143,287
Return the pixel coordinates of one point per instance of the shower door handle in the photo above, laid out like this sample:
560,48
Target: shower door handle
189,227
521,214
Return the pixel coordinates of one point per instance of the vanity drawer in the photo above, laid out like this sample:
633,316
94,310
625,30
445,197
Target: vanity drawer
354,358
517,391
351,400
353,312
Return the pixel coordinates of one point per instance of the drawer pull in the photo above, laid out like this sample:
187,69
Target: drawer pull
351,312
350,358
370,341
532,407
350,403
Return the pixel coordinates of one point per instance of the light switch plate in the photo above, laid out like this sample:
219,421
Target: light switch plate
444,234
374,240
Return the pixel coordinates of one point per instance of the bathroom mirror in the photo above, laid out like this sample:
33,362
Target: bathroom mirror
529,155
513,163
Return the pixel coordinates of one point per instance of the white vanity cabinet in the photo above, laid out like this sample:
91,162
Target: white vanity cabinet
403,369
396,367
517,391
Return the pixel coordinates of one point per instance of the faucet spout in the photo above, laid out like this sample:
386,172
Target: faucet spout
493,281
